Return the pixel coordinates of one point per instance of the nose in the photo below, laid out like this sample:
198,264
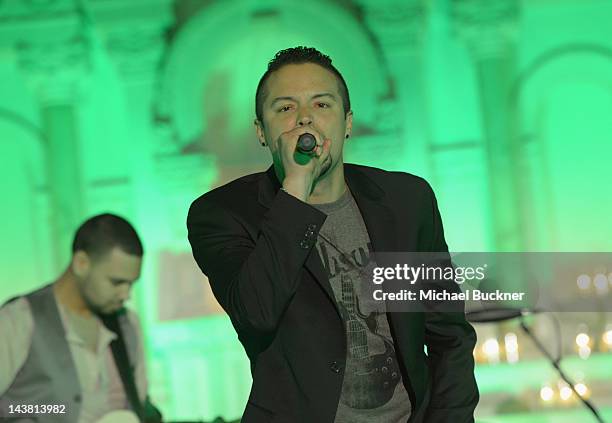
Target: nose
125,293
304,117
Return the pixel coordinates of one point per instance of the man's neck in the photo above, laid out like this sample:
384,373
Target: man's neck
67,293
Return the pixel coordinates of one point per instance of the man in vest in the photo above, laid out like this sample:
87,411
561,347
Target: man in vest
58,361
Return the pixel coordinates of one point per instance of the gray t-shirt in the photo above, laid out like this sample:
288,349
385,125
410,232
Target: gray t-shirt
372,388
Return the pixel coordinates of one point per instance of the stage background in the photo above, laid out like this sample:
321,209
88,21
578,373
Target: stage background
139,107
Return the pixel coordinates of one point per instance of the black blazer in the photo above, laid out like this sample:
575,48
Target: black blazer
255,244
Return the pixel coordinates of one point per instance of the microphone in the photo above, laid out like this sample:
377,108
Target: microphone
306,143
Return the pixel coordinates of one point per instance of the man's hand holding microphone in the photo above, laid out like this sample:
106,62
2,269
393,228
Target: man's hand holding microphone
304,153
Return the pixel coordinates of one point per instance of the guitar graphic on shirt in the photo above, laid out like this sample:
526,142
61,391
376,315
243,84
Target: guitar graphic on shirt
370,380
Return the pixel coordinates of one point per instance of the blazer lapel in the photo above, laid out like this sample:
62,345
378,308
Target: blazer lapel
376,214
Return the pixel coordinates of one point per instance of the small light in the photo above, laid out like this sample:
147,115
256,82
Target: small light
491,346
565,393
584,281
600,281
582,339
491,350
581,389
584,352
547,393
511,344
606,338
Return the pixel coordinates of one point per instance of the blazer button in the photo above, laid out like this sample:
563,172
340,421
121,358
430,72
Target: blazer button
77,398
304,244
312,227
335,367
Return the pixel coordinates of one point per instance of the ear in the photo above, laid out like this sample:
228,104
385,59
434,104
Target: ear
81,264
260,132
348,125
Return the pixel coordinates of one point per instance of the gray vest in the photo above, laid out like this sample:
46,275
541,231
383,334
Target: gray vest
49,375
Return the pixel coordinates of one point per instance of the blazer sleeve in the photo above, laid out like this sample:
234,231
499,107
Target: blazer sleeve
450,341
253,279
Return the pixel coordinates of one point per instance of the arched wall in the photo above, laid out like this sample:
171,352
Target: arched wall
565,97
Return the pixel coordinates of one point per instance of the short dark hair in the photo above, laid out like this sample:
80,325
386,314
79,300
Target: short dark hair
297,56
101,233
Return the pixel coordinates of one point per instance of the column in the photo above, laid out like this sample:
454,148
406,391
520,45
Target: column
489,31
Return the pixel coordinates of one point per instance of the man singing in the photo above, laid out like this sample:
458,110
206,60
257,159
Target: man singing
284,251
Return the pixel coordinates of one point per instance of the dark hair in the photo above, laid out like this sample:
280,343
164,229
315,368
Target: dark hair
100,234
297,56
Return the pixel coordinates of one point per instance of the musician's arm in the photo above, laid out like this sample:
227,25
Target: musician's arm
16,329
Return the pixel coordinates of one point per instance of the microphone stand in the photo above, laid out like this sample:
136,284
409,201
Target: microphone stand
555,364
